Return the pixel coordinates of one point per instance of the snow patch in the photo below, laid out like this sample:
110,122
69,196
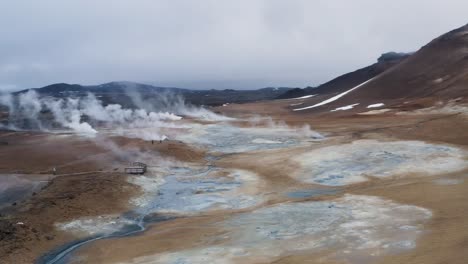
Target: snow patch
375,105
334,98
343,108
304,97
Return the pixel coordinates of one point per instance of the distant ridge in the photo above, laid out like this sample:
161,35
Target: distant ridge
110,87
117,92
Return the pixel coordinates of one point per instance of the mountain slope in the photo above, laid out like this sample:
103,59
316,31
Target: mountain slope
345,81
438,69
436,72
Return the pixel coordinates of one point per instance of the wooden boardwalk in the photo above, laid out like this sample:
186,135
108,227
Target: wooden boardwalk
136,168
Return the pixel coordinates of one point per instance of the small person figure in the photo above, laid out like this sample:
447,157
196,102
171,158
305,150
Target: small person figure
54,171
152,142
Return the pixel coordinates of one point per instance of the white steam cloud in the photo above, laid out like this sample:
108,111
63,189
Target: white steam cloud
266,121
172,102
31,111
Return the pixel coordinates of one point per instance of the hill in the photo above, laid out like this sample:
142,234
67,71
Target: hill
384,62
439,69
437,72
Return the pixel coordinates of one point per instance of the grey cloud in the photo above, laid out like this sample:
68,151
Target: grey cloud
209,43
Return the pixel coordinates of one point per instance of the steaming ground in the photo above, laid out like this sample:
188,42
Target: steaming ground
355,162
15,186
220,189
187,191
356,226
86,115
269,226
227,138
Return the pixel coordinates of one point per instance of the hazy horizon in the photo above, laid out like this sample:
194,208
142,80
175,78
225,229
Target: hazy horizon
210,44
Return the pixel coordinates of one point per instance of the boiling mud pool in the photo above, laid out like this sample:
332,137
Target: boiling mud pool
183,190
351,163
354,225
310,193
186,190
225,138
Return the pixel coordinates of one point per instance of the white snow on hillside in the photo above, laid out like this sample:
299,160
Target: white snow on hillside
348,107
334,98
375,105
304,97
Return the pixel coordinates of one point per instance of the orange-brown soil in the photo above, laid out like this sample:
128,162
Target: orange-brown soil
444,240
89,182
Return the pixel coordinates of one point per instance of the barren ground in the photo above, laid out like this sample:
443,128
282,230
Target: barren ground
208,235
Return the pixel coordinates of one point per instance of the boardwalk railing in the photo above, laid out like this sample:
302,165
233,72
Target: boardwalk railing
136,168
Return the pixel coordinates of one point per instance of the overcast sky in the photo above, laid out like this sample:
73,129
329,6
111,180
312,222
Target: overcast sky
209,43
